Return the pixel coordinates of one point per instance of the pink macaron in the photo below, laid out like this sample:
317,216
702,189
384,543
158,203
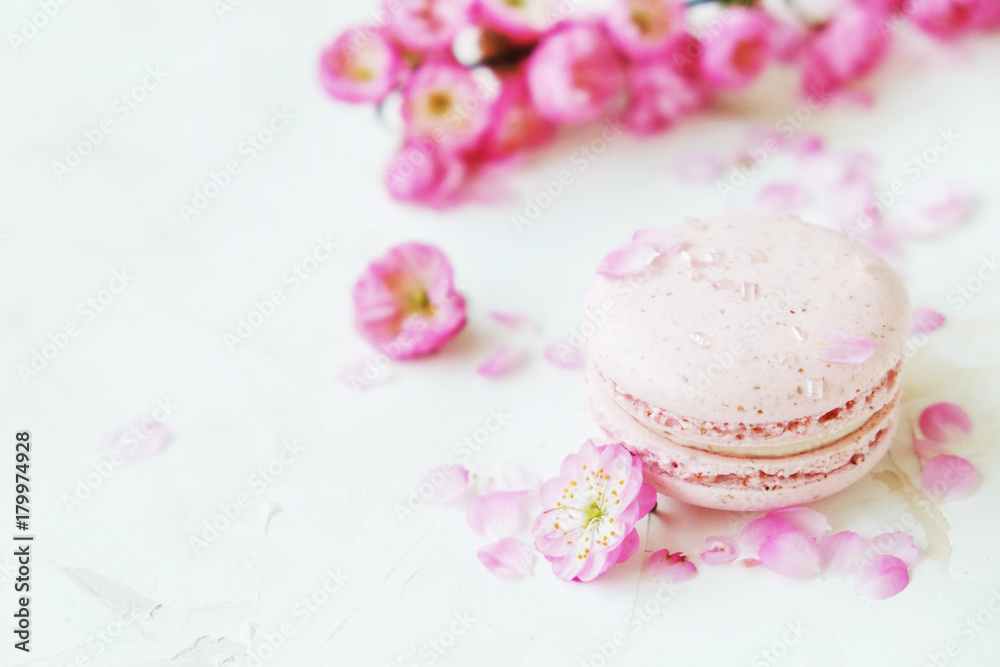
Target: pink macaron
751,362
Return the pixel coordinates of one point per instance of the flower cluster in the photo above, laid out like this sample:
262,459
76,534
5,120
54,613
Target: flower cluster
483,81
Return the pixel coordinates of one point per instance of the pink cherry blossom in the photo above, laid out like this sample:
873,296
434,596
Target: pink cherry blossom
882,577
948,477
520,20
405,303
839,347
443,103
426,26
945,422
590,511
949,19
645,28
421,173
576,75
736,53
499,514
509,558
847,48
792,554
671,568
360,67
660,96
516,124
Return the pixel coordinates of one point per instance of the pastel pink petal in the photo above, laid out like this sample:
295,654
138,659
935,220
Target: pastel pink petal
509,558
896,543
509,477
597,564
566,356
627,260
839,347
698,168
663,241
882,577
948,477
839,553
671,568
511,320
783,197
140,440
926,320
626,549
499,514
720,550
792,554
501,361
646,500
945,422
753,536
449,481
808,521
925,449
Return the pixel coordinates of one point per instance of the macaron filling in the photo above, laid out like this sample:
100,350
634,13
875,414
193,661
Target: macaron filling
758,439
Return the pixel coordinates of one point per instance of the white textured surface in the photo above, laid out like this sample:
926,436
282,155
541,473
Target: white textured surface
333,508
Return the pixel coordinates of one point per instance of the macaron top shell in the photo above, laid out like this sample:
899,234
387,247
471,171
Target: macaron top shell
726,329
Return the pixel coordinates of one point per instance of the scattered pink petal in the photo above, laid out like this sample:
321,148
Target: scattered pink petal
509,558
792,554
671,568
508,477
948,477
500,362
698,168
566,356
939,207
926,320
590,510
945,422
839,553
627,260
450,481
511,321
753,536
782,197
719,551
140,440
925,449
808,521
499,514
839,347
882,577
663,241
896,543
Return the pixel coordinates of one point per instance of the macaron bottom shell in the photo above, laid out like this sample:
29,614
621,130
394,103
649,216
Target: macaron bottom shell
738,483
